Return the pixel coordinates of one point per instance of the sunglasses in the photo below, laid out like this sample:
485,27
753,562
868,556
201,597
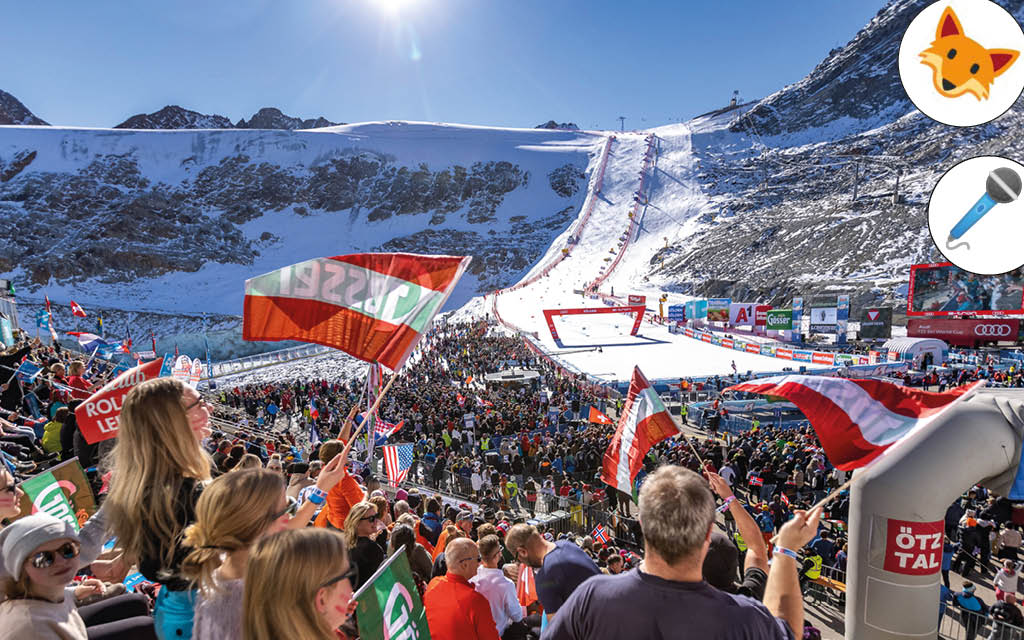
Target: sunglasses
290,509
352,575
477,558
11,489
370,518
45,559
201,402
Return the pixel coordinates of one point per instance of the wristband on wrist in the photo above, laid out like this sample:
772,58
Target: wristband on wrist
725,505
786,552
317,496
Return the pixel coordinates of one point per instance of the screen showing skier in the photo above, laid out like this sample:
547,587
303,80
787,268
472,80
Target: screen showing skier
944,289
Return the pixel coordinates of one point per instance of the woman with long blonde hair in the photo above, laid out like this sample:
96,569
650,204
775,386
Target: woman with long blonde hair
298,584
363,527
234,512
159,471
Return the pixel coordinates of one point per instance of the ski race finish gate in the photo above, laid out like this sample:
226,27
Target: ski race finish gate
638,309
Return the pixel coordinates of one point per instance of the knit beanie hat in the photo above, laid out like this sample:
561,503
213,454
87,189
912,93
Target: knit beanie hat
25,535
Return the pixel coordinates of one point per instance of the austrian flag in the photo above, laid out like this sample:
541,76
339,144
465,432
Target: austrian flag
374,306
644,423
857,420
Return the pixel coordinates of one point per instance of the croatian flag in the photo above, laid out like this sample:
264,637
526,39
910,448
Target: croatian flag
313,411
77,310
397,460
857,420
644,423
600,534
384,430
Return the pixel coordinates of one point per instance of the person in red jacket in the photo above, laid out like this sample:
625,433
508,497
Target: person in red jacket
455,610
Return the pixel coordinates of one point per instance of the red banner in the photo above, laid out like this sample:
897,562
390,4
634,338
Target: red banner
753,348
637,299
97,417
688,332
820,357
761,315
727,343
964,331
785,354
913,548
705,337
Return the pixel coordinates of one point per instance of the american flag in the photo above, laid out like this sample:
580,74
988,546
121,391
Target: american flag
397,460
600,534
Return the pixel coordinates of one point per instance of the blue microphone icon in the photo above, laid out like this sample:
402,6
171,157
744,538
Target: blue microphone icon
1003,186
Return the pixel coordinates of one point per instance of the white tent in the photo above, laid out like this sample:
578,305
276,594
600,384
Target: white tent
918,350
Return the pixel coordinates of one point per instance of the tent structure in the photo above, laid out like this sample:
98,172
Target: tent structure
920,351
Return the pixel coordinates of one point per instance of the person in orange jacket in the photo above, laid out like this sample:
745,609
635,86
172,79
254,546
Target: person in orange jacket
455,610
344,494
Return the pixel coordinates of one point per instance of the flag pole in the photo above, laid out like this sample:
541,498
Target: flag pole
829,498
376,403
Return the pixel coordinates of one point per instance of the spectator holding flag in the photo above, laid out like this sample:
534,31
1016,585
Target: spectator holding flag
363,527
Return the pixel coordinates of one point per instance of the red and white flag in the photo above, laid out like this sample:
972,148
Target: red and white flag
526,587
857,420
77,310
374,306
597,417
644,423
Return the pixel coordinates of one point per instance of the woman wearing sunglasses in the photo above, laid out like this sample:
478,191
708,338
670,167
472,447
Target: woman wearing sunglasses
159,470
10,495
298,584
41,555
363,528
234,512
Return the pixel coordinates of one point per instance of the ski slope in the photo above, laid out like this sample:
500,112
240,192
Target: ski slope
600,345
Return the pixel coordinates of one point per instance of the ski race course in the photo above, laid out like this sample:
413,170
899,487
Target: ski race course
633,208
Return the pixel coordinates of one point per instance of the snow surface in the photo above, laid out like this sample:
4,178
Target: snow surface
675,202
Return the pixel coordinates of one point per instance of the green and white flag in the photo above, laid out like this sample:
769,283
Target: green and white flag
62,491
389,606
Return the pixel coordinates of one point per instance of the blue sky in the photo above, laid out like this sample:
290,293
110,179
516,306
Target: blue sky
491,62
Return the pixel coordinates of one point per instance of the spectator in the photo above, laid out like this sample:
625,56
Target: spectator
499,591
677,513
159,469
455,611
419,559
972,610
1006,580
558,567
41,554
10,496
298,584
363,527
1006,612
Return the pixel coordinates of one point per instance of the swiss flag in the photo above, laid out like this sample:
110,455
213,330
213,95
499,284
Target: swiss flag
598,418
872,314
77,310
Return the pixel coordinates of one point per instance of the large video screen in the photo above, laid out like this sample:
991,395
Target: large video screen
943,289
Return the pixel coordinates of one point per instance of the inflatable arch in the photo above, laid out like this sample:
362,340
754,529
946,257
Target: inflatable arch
549,316
897,507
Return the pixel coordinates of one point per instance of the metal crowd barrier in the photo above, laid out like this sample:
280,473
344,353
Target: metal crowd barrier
958,624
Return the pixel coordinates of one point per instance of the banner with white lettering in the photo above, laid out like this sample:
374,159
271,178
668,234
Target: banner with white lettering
98,416
911,548
62,492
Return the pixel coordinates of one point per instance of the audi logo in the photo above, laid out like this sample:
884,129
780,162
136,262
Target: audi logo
992,330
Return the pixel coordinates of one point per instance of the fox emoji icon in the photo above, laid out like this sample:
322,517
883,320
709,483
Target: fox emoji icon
961,65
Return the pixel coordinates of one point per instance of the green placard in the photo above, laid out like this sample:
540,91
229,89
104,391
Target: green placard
779,320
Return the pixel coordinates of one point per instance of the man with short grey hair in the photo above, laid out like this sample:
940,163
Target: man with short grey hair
667,596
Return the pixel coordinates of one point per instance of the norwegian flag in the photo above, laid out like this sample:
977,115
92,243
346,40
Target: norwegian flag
77,310
397,460
756,481
857,420
600,534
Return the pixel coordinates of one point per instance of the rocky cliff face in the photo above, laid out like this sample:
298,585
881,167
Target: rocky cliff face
13,112
173,220
825,184
271,118
175,117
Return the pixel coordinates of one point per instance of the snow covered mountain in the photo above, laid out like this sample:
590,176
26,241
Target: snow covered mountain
175,117
13,112
176,221
823,184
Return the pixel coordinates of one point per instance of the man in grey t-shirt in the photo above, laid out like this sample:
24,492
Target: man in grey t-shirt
667,596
